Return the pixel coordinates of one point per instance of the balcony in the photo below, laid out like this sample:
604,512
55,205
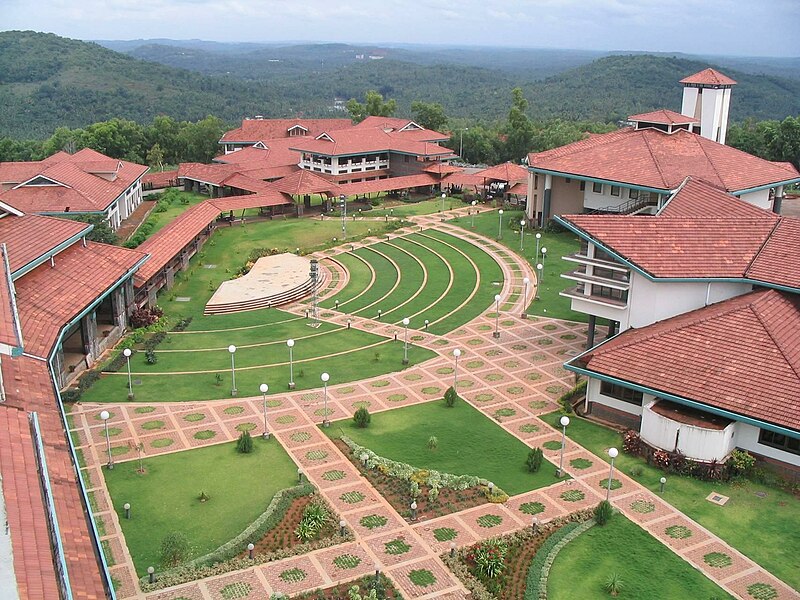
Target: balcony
577,293
607,278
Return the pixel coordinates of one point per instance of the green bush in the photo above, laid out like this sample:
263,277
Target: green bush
150,357
245,443
534,460
362,417
742,461
450,397
613,584
565,401
174,549
603,512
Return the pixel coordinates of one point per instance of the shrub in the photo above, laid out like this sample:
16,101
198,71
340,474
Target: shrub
433,442
631,442
315,516
742,461
603,512
182,324
150,357
174,549
565,401
534,460
362,417
218,379
450,397
613,584
245,443
488,558
144,317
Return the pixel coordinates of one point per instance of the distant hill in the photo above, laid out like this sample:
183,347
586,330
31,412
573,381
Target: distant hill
614,87
48,81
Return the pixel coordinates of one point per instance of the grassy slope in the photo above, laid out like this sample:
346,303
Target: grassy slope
469,444
753,525
550,304
164,499
651,571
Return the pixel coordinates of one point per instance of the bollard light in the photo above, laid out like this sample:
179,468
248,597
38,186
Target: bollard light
299,475
151,575
452,549
127,508
663,482
250,550
342,526
413,510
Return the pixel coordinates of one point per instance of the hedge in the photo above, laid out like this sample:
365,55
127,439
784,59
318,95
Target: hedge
536,584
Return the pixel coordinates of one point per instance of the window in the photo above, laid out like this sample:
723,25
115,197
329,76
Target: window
597,188
406,158
633,194
567,180
621,393
610,274
615,190
601,291
601,254
583,186
779,441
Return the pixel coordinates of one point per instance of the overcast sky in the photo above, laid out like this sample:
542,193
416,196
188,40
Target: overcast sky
736,27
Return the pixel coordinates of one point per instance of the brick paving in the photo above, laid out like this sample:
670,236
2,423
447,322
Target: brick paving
512,380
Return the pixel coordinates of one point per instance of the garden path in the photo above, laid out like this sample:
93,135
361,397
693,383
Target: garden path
513,380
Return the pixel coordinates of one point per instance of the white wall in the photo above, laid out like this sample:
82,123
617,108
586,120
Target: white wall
747,438
759,198
593,395
651,301
689,105
697,443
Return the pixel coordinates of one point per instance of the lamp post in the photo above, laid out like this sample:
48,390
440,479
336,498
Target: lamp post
343,206
232,350
325,377
127,354
539,269
474,204
405,341
456,354
525,283
264,389
500,225
544,253
497,316
521,235
105,416
564,422
290,345
612,452
443,197
538,239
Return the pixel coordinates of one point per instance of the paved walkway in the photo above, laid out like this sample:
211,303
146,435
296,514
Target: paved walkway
512,380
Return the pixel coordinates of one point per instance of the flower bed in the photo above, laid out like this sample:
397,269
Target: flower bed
499,569
435,493
383,587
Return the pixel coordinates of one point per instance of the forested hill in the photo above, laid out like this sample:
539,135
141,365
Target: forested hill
47,81
614,87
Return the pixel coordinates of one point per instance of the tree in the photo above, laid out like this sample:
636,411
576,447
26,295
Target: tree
101,232
155,157
603,512
520,131
450,397
534,460
174,549
429,115
201,140
245,443
374,105
362,417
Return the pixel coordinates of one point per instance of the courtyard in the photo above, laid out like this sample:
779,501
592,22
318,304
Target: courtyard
509,384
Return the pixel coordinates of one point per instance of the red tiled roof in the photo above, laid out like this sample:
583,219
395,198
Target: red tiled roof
25,512
413,132
508,172
29,386
10,333
270,197
519,189
667,117
78,189
656,159
369,140
257,130
164,245
778,262
277,154
442,168
160,179
305,182
740,355
696,198
666,247
48,297
248,184
708,77
385,185
31,236
461,179
214,174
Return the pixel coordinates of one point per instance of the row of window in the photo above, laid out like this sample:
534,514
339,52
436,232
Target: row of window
619,392
601,291
779,441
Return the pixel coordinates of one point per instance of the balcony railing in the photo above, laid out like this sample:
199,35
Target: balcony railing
582,277
576,293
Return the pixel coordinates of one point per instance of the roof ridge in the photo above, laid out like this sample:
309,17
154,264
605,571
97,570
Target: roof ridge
763,245
655,161
702,147
796,370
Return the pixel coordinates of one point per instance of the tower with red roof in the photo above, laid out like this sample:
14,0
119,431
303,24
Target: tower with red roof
707,98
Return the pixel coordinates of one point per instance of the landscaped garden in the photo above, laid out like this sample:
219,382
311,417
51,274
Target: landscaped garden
558,244
754,520
467,443
645,568
208,496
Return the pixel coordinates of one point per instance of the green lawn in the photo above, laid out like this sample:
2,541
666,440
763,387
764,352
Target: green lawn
426,207
184,201
647,568
754,525
469,444
549,304
165,498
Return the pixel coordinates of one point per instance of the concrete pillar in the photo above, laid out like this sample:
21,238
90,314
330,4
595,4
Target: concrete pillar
548,190
129,296
89,332
58,366
118,307
184,260
170,277
612,328
777,202
152,292
590,334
